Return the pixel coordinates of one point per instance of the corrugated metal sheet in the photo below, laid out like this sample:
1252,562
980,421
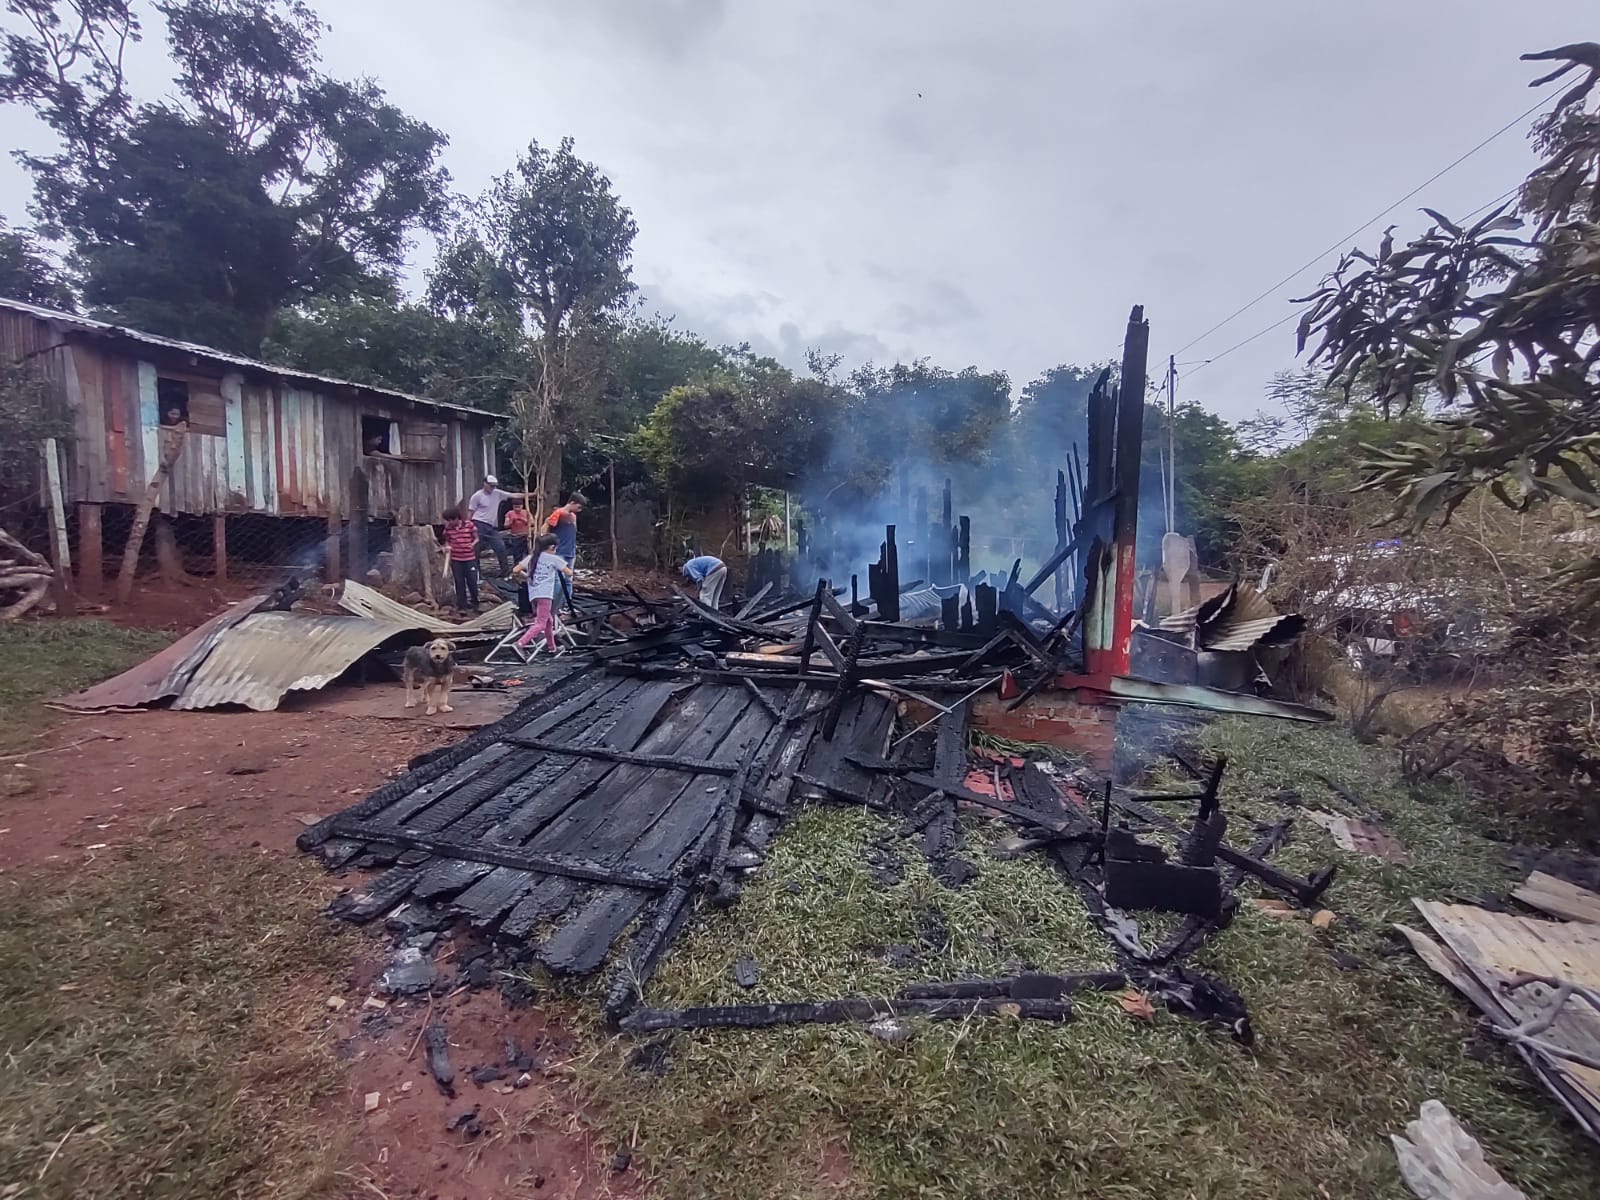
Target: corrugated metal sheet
1484,950
270,654
63,320
164,673
1194,696
363,601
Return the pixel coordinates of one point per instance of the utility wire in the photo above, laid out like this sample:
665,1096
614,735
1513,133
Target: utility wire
1309,263
1201,363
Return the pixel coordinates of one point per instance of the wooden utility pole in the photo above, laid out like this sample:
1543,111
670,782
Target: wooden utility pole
171,446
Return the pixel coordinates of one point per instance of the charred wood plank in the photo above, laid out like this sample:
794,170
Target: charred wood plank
837,611
500,855
831,1012
1050,566
669,762
1025,986
581,944
750,604
730,624
378,897
761,698
545,903
1032,817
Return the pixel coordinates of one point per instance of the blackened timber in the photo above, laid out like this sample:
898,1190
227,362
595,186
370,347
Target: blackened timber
378,897
1306,891
919,636
730,624
1054,824
837,611
750,604
964,551
986,604
889,610
790,607
1025,986
950,746
456,756
627,982
1052,565
832,1012
670,762
811,627
546,902
847,681
830,649
761,699
503,856
970,665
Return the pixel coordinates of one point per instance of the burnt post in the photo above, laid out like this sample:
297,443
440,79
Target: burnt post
1129,442
964,551
1061,539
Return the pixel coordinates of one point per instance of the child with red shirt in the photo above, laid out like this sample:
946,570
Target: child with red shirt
517,523
461,537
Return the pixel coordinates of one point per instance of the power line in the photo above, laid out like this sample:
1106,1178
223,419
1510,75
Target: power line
1201,363
1309,263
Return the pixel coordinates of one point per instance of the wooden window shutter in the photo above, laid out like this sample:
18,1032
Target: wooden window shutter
207,413
423,440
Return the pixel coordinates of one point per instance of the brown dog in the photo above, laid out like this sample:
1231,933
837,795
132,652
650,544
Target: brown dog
432,669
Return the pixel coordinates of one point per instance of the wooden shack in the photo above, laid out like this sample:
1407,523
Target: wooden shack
261,439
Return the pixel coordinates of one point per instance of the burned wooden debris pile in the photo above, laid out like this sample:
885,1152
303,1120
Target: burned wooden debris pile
585,830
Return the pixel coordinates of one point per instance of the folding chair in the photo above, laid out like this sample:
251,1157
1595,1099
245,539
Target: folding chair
565,639
508,644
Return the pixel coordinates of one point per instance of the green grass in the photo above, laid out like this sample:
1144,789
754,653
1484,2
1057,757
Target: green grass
158,1008
156,1029
1106,1105
43,659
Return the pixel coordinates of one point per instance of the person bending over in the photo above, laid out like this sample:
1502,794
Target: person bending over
710,573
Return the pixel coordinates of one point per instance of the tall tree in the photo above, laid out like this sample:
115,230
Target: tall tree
257,183
547,248
26,273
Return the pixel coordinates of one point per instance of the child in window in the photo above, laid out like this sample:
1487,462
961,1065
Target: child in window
543,568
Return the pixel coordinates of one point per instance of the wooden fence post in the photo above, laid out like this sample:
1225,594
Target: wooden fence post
91,542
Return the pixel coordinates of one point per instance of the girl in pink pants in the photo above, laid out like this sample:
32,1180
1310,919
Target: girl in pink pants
542,568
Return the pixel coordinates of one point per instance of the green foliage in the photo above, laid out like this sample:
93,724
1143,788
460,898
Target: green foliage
545,252
256,183
27,274
26,418
753,423
1505,327
409,347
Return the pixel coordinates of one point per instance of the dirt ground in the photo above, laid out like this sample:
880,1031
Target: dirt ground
246,783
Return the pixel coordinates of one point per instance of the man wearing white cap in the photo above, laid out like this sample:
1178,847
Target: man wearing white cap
483,506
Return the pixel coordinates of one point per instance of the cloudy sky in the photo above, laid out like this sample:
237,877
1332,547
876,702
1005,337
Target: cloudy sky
987,184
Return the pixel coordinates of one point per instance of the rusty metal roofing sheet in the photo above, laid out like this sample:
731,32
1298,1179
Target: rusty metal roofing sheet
269,654
63,320
1191,695
166,672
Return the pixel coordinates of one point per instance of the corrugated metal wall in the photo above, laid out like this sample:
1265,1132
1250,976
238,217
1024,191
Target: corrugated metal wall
282,450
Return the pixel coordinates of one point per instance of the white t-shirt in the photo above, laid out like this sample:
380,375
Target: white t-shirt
485,506
542,583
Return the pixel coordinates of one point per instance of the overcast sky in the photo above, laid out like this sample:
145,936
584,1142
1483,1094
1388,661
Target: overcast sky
986,184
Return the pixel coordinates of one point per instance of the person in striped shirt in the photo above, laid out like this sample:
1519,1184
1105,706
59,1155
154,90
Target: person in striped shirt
461,539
